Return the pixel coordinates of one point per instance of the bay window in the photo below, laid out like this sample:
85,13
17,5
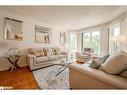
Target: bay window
92,40
114,38
73,42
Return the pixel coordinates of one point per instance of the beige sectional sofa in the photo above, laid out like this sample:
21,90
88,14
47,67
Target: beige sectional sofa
41,57
81,76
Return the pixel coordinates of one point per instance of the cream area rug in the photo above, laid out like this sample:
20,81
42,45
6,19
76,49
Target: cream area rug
52,77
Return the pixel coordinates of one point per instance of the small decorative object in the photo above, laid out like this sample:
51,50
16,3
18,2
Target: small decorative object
12,29
80,61
42,34
13,56
62,38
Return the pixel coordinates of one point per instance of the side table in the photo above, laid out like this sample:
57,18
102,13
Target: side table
14,63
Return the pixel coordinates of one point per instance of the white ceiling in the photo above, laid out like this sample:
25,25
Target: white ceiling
68,17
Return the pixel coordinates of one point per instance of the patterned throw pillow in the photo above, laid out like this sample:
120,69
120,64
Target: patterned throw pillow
41,52
51,51
45,52
48,51
58,51
37,53
54,51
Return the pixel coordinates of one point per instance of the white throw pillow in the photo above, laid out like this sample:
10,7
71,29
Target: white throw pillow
115,64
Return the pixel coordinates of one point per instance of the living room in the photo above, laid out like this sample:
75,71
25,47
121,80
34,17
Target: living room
60,47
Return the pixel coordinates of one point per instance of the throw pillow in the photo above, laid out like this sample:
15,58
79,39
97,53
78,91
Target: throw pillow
96,63
124,74
104,58
58,50
45,52
54,51
37,53
115,64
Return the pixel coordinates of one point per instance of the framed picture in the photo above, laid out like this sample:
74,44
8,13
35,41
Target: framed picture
62,38
42,34
12,29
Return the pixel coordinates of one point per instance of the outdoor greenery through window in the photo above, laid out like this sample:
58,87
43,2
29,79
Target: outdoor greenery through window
73,42
92,40
116,36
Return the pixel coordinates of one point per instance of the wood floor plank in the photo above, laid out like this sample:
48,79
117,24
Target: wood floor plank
18,79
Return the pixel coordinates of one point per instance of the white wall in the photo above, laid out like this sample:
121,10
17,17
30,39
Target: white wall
28,29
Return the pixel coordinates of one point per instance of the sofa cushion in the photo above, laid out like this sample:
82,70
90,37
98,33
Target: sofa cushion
42,59
38,52
49,51
124,74
57,50
62,56
83,56
53,57
45,52
96,63
115,64
54,51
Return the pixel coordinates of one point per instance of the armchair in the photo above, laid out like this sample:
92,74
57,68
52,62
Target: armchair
85,55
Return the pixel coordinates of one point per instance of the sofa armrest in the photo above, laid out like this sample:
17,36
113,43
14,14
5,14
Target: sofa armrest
31,59
31,56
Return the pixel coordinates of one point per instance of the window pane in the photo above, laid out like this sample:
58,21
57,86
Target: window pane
92,40
117,31
86,40
73,42
96,41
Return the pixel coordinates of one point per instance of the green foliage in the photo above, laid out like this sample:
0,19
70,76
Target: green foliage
73,43
96,43
93,42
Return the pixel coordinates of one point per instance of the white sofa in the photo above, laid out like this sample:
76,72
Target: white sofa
42,57
83,77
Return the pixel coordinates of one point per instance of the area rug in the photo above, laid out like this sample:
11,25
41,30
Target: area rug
48,78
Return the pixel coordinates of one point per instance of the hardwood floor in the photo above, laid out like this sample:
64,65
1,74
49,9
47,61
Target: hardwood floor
18,79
